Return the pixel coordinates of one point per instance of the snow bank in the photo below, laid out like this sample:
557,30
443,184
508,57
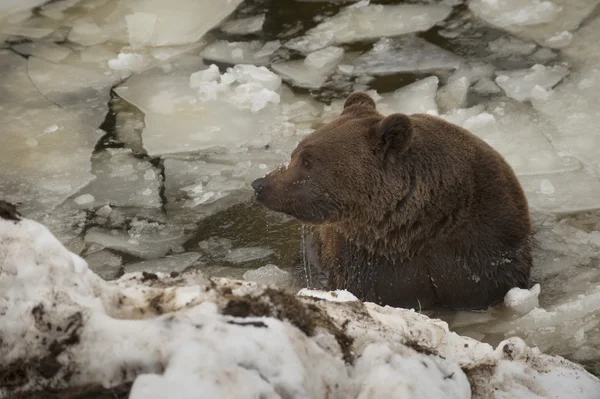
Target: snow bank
62,327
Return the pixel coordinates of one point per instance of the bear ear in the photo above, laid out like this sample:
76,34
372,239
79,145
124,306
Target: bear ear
358,100
394,132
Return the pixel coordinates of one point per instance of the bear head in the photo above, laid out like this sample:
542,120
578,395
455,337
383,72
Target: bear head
343,168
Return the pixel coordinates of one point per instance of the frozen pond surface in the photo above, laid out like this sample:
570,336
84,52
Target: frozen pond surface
125,132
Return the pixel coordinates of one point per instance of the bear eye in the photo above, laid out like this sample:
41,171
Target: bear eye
306,161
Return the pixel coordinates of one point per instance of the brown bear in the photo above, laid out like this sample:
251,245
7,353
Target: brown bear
408,211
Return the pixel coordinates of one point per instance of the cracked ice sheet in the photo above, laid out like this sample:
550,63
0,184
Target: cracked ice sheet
526,149
45,152
369,22
146,23
122,180
550,23
178,120
404,54
573,105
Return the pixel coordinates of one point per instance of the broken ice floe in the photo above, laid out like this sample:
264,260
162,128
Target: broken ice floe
523,85
253,52
550,23
313,71
404,54
244,26
122,180
147,240
369,22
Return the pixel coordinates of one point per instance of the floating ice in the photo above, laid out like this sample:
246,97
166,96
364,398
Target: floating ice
454,94
248,254
522,300
370,22
169,264
191,183
313,71
43,169
547,22
47,51
244,26
106,264
145,240
123,180
417,97
253,52
522,85
234,110
571,192
130,62
404,54
497,128
573,105
140,28
84,199
87,34
509,46
269,274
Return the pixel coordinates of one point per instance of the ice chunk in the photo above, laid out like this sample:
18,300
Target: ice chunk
418,97
248,254
87,34
244,26
130,62
190,183
105,263
73,86
140,28
370,22
123,180
497,128
516,12
454,94
169,264
233,111
84,199
547,22
269,274
522,301
253,52
145,240
180,21
326,58
572,192
523,84
46,51
404,54
508,46
97,54
314,70
38,167
486,85
573,105
215,246
560,40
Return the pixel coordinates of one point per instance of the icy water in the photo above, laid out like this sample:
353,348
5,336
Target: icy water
117,135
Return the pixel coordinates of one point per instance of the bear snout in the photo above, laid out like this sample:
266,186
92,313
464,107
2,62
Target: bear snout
258,185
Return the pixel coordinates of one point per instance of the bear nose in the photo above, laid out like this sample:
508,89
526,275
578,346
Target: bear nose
258,185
